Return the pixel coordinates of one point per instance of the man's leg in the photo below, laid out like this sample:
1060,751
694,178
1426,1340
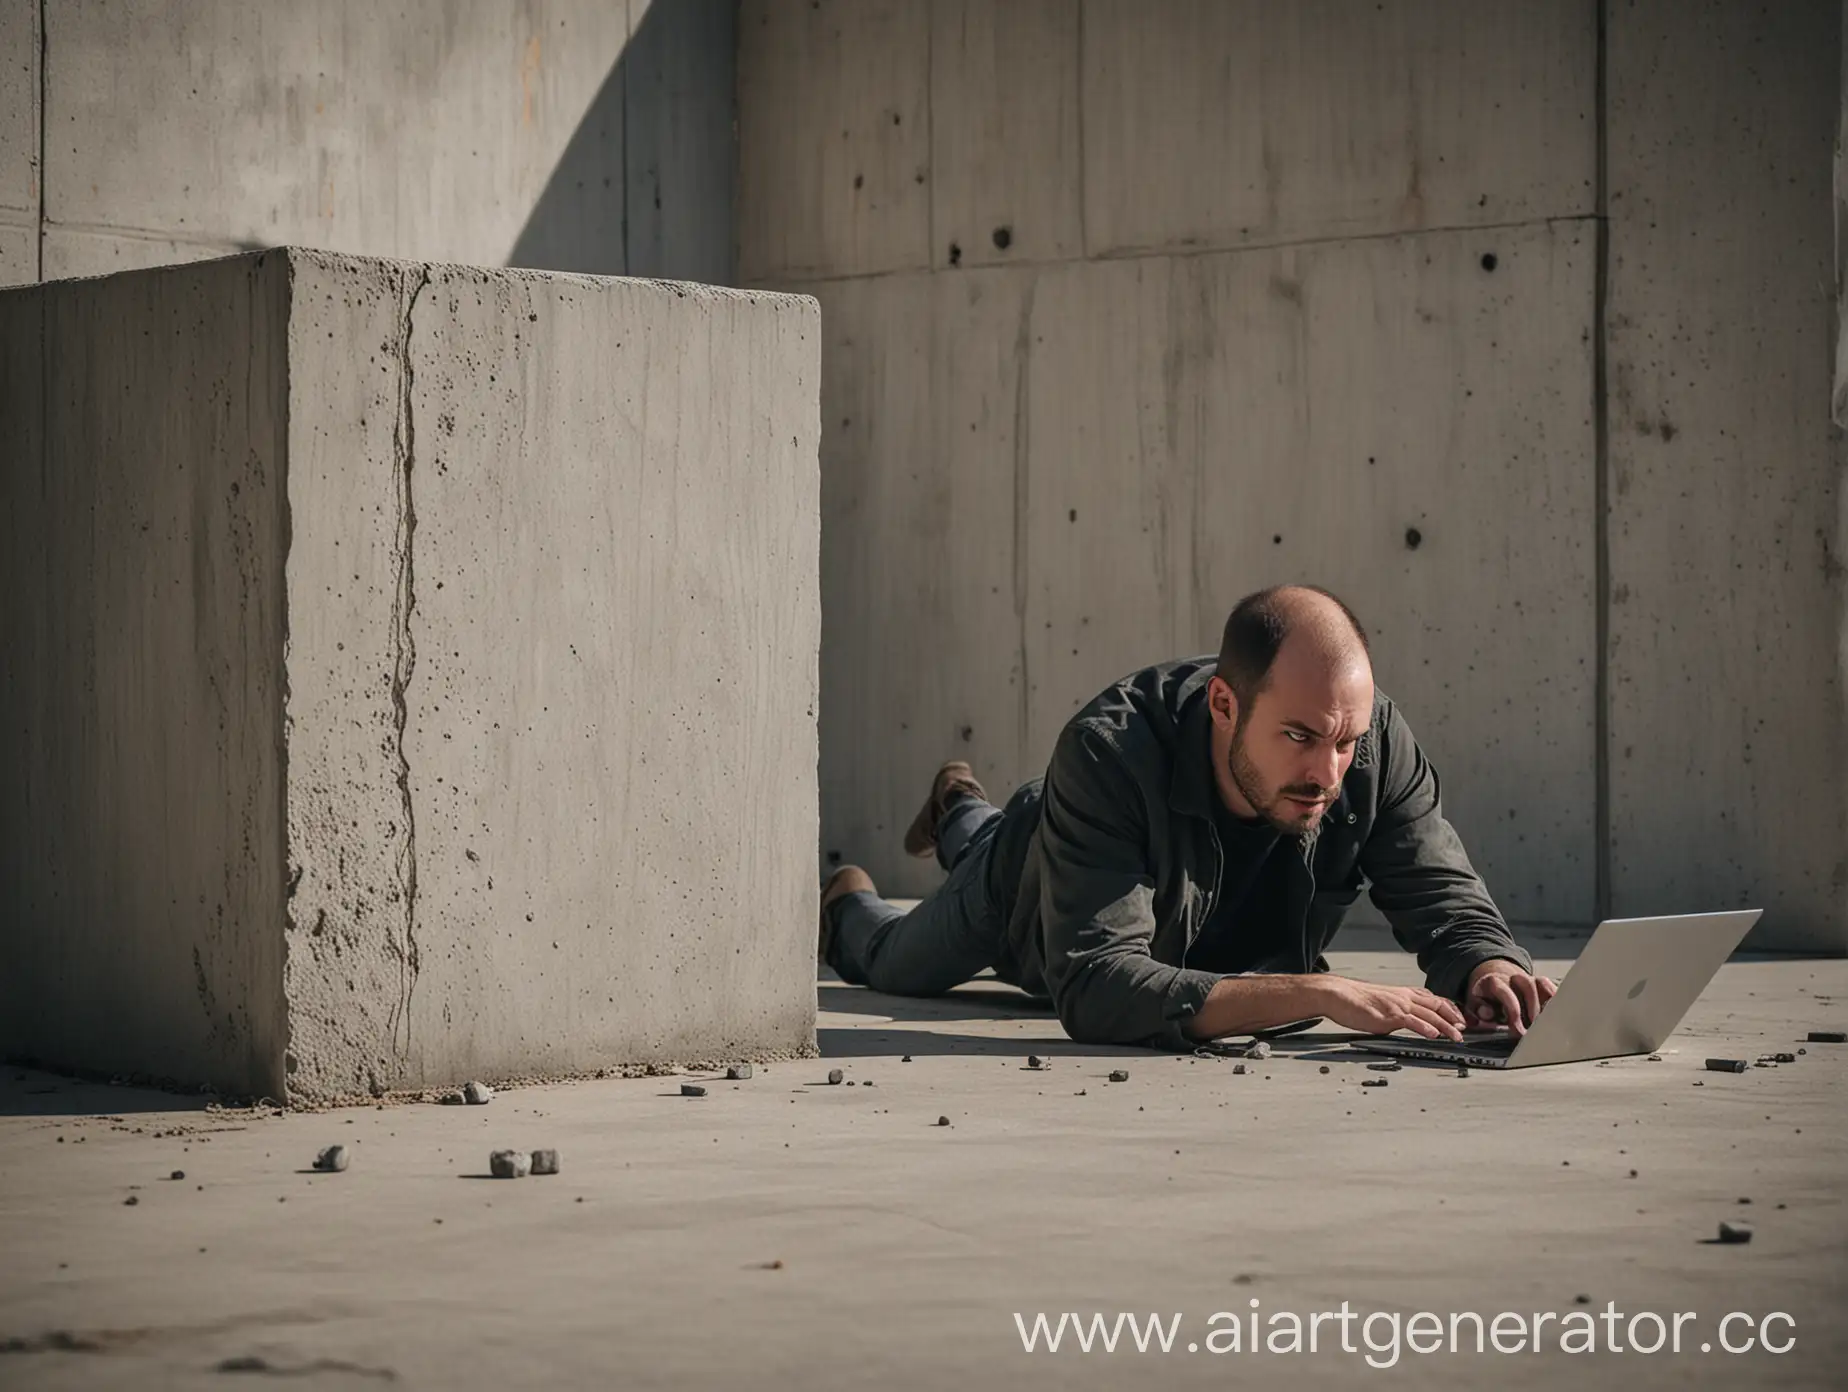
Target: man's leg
948,938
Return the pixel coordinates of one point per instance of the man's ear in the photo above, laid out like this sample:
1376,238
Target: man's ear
1223,703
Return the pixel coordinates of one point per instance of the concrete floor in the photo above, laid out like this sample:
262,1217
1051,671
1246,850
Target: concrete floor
906,1249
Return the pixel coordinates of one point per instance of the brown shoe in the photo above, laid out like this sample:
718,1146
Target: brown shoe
954,779
849,879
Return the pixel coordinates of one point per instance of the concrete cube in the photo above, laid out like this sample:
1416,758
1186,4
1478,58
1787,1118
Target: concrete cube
411,674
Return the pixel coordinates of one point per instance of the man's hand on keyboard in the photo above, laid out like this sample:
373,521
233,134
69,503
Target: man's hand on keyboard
1501,993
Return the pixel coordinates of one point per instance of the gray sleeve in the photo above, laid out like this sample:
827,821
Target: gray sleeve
1421,877
1097,894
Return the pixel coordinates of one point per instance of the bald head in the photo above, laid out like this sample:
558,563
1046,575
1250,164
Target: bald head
1293,694
1302,629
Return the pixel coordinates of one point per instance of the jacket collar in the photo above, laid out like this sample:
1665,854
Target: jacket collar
1192,790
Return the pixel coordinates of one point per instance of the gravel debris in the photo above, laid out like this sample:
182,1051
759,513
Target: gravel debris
1260,1049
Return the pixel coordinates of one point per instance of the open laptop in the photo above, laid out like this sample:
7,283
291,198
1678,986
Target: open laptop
1626,993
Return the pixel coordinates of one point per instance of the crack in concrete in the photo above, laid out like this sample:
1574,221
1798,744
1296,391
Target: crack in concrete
404,665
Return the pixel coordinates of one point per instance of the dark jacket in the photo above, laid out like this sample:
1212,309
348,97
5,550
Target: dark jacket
1114,872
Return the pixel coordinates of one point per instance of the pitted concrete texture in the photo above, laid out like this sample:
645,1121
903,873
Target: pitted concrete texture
793,1234
424,677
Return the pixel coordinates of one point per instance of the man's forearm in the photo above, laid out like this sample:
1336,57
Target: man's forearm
1241,1004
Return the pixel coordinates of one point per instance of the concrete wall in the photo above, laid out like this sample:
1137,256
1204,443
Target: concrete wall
143,431
1132,309
19,142
489,596
587,135
1728,613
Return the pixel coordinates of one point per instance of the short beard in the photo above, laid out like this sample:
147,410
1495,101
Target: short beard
1250,784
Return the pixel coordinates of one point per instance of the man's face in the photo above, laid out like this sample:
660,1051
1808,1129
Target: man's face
1285,759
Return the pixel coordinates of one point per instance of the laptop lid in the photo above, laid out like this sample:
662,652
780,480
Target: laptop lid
1631,986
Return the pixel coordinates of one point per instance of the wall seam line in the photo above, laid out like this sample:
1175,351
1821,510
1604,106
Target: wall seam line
44,87
1084,231
1600,415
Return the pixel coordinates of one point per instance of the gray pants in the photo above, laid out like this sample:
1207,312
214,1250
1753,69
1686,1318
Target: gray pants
952,935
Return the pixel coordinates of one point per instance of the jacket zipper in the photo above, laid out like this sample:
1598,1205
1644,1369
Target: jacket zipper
1219,869
1308,852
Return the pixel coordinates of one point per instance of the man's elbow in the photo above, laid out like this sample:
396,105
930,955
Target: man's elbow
1081,1013
1092,1010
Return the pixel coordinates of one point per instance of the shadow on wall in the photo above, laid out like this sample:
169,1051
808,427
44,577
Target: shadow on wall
644,188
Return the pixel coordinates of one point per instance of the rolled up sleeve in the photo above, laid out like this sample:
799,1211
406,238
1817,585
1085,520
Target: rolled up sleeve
1097,895
1422,880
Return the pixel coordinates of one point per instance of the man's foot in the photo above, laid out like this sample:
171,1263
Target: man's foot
954,779
849,879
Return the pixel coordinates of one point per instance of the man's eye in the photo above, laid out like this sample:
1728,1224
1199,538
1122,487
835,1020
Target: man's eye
1296,735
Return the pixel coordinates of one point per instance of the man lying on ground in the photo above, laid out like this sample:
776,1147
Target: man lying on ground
1201,832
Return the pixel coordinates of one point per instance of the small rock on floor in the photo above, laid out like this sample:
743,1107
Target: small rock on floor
1735,1232
177,1174
692,1090
1726,1065
1375,1082
943,1121
834,1077
1386,1067
1119,1075
510,1164
477,1094
738,1072
1828,1037
1238,1068
545,1162
333,1158
1259,1050
1323,1069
